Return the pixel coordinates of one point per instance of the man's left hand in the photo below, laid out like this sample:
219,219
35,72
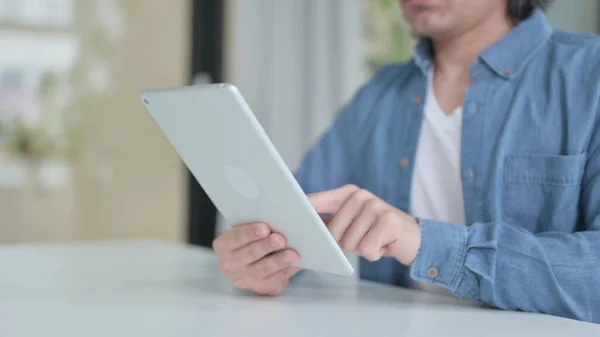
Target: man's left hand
363,224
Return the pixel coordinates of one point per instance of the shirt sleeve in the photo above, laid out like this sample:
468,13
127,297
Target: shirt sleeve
511,268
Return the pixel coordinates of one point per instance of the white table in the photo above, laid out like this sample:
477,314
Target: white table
153,288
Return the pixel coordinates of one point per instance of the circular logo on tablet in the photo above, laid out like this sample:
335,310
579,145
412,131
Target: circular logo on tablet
241,182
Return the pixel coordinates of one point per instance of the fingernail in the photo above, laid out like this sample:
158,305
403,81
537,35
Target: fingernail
261,230
288,257
276,241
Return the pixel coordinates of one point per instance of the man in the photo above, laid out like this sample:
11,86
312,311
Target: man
489,139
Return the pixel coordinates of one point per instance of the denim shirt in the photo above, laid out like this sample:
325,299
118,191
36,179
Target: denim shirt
530,163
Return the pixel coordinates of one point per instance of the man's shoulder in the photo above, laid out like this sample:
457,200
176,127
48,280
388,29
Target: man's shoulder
574,57
566,38
393,75
387,85
576,45
393,72
574,60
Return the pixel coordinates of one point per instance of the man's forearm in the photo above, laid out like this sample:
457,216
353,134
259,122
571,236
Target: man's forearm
511,268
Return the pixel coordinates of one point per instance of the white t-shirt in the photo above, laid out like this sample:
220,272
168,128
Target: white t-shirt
436,192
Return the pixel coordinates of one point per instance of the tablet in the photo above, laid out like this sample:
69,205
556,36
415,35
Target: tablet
223,145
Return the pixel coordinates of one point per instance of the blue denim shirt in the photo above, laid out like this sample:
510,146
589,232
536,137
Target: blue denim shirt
530,164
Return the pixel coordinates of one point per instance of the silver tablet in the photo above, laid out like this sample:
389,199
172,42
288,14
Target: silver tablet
222,143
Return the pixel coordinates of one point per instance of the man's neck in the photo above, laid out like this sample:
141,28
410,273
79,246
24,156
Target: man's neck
455,55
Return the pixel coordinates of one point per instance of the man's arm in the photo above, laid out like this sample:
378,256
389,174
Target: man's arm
511,268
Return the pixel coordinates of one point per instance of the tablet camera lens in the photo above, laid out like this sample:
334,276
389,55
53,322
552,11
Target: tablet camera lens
145,101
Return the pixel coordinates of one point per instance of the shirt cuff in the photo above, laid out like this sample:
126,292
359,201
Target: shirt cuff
441,255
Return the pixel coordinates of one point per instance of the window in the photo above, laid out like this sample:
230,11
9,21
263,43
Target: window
38,43
37,12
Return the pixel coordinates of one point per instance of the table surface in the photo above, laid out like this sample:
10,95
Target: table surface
154,288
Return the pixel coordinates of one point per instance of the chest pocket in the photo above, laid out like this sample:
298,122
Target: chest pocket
541,193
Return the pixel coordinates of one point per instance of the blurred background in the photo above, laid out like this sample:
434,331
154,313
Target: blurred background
80,159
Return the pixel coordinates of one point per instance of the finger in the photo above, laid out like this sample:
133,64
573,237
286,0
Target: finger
344,218
361,224
271,289
253,252
373,245
239,236
331,201
275,284
282,275
271,264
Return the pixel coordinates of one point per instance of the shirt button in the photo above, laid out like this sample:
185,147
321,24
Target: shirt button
404,162
418,99
470,174
473,108
432,272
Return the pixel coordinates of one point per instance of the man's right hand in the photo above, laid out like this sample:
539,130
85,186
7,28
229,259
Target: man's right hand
245,257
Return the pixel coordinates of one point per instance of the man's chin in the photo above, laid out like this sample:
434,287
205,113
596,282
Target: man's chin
428,32
419,33
419,29
416,34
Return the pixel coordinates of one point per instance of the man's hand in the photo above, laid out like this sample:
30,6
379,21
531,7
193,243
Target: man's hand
245,254
368,226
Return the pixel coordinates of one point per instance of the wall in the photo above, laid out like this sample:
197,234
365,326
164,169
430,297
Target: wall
577,15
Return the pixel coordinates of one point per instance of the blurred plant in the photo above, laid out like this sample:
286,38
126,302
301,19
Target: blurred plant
388,37
49,135
24,141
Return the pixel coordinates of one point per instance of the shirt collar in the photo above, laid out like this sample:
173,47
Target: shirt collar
507,56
